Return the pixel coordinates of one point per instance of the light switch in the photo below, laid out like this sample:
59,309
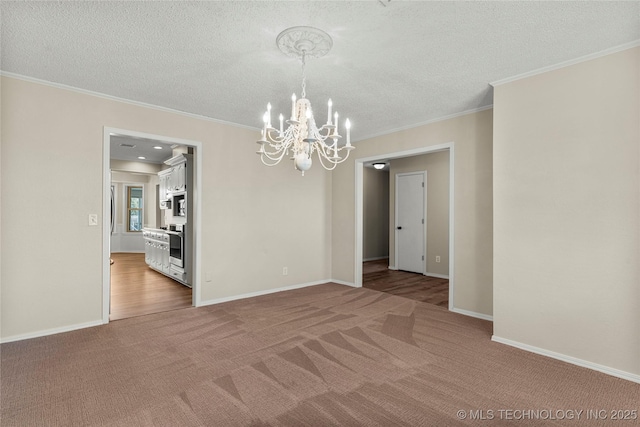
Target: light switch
93,219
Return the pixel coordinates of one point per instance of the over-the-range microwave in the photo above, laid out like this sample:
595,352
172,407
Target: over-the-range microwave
179,203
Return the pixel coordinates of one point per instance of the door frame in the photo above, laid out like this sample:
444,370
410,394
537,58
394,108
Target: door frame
359,192
424,219
196,296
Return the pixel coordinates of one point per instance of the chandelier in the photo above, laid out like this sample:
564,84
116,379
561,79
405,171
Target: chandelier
302,137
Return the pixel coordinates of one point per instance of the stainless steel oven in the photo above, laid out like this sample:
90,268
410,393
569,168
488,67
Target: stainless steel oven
176,234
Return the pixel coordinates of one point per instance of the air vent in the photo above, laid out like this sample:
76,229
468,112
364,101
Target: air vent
127,145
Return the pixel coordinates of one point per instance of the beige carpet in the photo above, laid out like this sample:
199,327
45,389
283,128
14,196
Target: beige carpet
328,355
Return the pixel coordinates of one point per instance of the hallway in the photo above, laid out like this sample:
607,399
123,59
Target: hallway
377,276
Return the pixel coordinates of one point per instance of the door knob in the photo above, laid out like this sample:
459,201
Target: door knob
399,228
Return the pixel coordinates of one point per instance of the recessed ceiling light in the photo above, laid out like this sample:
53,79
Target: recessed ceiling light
157,147
141,157
379,165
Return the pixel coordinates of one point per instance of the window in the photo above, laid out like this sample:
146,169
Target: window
134,208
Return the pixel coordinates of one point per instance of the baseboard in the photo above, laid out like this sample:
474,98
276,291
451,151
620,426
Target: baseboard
342,282
52,331
268,291
375,258
439,276
472,314
569,359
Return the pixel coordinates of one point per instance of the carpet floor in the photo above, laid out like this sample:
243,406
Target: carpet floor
327,355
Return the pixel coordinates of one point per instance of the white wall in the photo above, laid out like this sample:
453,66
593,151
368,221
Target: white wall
255,220
567,212
472,138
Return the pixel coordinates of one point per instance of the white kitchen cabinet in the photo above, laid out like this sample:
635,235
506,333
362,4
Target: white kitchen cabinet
180,173
157,254
156,249
163,186
177,179
164,255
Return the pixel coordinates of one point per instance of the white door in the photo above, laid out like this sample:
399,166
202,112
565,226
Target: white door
410,222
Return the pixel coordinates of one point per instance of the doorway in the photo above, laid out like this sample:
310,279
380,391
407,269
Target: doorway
146,287
427,266
410,236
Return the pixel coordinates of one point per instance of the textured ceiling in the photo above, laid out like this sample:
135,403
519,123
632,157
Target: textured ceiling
394,64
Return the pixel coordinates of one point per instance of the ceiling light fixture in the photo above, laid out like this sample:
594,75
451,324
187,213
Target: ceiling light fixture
302,136
379,165
142,157
157,147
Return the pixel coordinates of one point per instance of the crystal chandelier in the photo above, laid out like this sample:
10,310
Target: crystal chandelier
302,137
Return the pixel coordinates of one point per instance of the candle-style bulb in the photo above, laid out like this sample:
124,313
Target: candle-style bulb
330,104
347,125
293,106
269,114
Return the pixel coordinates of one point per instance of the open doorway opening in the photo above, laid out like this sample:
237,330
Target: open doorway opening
378,261
151,239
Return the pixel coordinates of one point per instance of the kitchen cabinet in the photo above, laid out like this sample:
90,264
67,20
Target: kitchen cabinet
163,185
180,174
177,177
156,249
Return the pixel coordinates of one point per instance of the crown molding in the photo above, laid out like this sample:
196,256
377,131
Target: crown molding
428,122
568,63
123,100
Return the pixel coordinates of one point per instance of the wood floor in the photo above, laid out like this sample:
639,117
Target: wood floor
137,290
376,275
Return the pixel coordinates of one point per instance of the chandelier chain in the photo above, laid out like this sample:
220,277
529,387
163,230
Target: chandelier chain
304,75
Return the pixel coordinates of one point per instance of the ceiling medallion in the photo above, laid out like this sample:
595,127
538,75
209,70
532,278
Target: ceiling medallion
302,136
308,41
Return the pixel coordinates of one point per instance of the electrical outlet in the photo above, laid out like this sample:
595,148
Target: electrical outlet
438,258
285,271
93,219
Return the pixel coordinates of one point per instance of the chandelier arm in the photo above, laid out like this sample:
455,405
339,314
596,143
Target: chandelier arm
327,149
332,167
275,156
322,151
278,138
268,164
328,134
344,158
